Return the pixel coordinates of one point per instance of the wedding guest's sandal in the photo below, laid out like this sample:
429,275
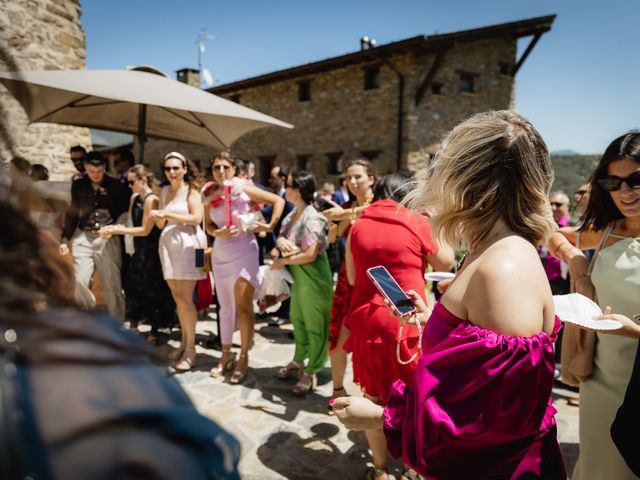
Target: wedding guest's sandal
188,360
373,473
224,366
291,370
176,354
238,375
301,388
409,474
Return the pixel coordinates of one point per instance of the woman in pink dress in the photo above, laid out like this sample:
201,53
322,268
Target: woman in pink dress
235,259
179,218
481,404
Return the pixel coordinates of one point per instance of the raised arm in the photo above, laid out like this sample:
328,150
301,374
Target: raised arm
258,195
443,259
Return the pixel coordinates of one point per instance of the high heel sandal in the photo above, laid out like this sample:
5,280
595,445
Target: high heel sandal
176,354
224,367
188,360
300,389
334,396
373,473
291,370
238,376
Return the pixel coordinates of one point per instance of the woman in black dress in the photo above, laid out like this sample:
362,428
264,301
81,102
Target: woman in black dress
148,295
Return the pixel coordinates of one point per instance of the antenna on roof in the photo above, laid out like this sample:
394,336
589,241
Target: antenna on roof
203,37
366,43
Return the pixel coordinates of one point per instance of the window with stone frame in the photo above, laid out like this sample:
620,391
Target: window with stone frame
266,164
467,82
304,90
370,155
302,161
437,88
235,98
334,164
372,77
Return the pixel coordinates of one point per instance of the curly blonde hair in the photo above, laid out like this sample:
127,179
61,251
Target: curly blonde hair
492,166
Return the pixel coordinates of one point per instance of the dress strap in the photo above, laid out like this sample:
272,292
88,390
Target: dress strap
603,242
144,199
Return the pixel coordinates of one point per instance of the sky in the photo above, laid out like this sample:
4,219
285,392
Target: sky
578,86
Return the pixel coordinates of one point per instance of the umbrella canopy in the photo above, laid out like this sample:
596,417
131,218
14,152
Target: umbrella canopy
133,102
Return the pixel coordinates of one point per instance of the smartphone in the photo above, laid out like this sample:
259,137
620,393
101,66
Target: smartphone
388,287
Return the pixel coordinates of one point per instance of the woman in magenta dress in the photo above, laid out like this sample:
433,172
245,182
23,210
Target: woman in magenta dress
235,259
372,329
481,403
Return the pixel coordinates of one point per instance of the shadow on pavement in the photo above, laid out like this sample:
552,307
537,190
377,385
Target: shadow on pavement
315,457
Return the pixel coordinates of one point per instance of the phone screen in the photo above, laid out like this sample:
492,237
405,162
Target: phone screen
390,288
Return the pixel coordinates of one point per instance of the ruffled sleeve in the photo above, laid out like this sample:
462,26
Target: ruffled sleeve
314,231
481,403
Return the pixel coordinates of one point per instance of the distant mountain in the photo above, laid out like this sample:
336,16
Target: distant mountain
565,152
571,170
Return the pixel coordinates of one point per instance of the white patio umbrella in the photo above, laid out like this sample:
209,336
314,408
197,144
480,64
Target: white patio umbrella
135,102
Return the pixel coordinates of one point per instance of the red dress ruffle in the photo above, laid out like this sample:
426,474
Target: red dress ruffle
390,235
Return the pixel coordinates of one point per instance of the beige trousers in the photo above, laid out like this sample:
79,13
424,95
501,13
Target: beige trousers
90,253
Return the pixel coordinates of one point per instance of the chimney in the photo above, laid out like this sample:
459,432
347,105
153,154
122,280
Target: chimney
190,76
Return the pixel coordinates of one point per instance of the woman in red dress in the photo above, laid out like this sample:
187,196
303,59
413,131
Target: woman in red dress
361,178
405,249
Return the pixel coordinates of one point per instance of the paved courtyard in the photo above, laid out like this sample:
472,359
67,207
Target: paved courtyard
283,436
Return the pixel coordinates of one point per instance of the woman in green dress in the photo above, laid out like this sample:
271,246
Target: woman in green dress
301,245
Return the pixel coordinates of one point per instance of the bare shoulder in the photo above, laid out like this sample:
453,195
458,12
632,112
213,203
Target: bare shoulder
194,195
509,291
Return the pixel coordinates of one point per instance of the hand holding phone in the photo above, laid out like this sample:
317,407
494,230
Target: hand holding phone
391,290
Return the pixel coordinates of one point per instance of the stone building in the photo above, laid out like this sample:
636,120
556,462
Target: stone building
40,35
390,103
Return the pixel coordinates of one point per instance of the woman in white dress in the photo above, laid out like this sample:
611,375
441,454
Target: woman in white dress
180,217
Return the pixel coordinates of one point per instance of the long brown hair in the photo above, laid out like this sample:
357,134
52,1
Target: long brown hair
193,177
601,210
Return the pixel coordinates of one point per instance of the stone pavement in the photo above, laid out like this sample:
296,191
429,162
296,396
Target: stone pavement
283,436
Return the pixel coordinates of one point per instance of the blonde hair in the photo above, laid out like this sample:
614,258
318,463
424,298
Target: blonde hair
492,166
141,171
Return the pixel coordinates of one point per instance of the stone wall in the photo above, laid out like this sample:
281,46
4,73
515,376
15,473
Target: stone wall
41,35
343,118
435,115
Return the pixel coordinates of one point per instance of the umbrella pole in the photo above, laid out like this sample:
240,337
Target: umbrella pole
142,121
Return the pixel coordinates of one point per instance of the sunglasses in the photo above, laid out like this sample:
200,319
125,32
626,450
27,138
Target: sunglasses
557,204
171,169
221,167
613,184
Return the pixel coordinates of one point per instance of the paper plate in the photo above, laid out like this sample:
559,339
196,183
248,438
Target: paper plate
437,276
593,324
580,310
